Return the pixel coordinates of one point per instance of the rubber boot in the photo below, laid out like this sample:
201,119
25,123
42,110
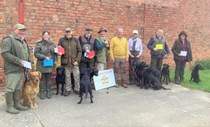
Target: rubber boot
17,105
41,91
9,103
48,94
41,94
177,80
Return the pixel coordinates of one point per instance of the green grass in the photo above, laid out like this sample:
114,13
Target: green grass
204,85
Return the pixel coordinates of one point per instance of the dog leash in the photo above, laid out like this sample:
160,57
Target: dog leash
27,77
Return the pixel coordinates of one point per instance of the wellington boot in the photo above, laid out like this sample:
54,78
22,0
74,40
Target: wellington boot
9,103
41,94
48,91
48,94
17,104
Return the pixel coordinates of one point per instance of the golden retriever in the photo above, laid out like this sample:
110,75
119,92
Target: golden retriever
31,89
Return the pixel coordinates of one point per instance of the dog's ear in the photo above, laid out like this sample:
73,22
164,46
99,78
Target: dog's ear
40,75
30,75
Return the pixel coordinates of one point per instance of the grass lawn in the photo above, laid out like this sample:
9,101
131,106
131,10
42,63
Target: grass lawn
204,85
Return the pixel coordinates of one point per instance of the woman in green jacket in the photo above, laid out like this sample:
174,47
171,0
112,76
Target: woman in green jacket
44,52
182,54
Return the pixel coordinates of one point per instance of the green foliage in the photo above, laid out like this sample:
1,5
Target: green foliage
204,63
204,85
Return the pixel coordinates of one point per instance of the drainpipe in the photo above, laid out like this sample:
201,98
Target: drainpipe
21,12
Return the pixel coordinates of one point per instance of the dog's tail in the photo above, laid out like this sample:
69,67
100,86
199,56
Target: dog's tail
165,88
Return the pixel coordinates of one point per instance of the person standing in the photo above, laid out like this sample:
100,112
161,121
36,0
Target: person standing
158,49
119,55
135,50
44,51
87,44
70,60
14,51
182,53
101,49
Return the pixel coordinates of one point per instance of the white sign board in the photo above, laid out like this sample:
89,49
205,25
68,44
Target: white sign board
104,79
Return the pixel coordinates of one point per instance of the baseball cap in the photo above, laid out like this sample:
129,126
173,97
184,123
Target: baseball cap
135,32
68,29
20,26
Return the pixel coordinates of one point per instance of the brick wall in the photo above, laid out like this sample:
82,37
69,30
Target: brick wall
144,15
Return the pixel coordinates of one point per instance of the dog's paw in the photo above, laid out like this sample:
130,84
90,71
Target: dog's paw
32,107
35,105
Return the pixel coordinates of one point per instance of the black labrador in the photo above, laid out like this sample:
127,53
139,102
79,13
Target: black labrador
165,73
156,73
195,73
139,71
152,80
86,76
60,79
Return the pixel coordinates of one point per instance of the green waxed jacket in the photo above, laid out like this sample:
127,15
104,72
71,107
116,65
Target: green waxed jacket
101,50
42,50
72,49
13,51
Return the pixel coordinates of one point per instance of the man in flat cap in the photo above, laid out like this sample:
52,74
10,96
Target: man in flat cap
70,60
15,52
101,49
87,44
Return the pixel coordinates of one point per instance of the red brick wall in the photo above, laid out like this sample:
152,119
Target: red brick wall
145,16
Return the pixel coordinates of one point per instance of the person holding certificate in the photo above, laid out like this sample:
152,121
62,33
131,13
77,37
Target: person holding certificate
70,60
15,53
158,47
182,54
46,57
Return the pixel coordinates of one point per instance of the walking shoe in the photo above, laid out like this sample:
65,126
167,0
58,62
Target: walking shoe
76,92
116,85
67,93
124,85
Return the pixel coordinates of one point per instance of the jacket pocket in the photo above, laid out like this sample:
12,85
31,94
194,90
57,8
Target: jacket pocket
64,60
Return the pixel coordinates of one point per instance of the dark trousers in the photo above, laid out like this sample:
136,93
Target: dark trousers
156,62
179,71
45,82
132,60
